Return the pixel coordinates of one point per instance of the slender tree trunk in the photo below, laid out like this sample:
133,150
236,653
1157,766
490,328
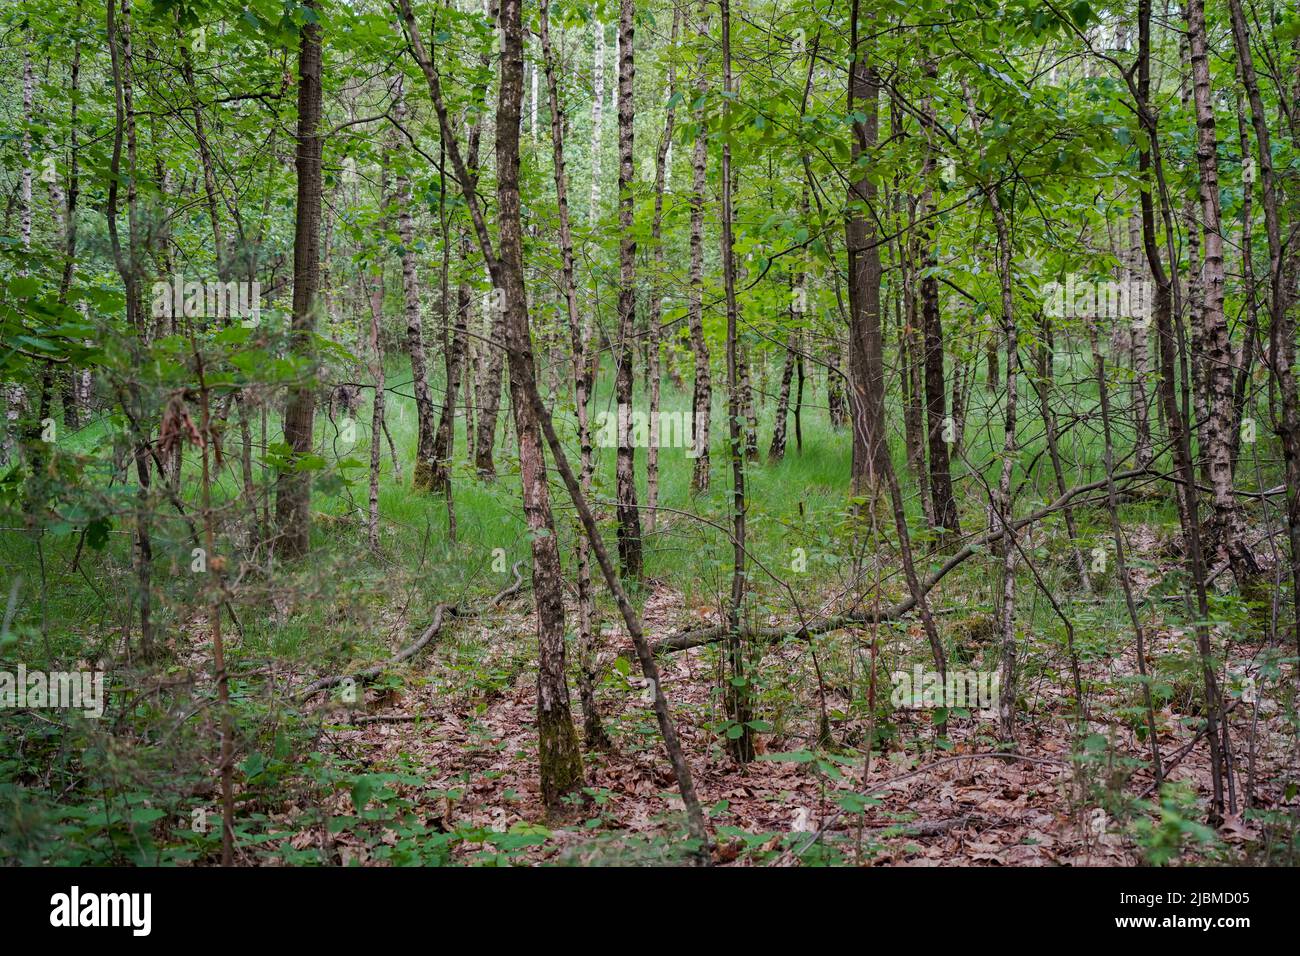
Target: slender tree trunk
444,441
455,346
474,353
1246,355
836,405
32,428
1196,267
560,754
1004,507
629,515
128,268
494,319
220,676
422,472
25,180
1121,561
561,757
1149,165
1045,385
1282,331
1141,347
776,451
911,357
962,373
866,348
747,405
489,396
740,741
72,405
593,728
293,487
702,399
1229,525
992,373
798,399
654,371
376,297
597,117
1006,504
936,411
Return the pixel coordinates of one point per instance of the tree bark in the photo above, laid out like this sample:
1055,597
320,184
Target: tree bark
936,412
560,754
1228,530
1282,330
866,349
628,513
702,397
597,117
1150,168
561,757
776,451
293,486
444,439
129,269
376,299
740,736
422,473
593,728
654,371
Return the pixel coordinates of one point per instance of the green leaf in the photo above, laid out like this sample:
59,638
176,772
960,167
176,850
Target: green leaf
97,533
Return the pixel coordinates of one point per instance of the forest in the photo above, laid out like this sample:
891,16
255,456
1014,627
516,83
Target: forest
738,433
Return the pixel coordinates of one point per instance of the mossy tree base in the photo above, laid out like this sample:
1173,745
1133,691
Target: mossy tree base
422,479
561,758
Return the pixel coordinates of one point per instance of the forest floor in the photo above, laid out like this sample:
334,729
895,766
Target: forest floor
435,761
958,800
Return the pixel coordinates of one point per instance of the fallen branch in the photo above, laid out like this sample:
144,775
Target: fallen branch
1185,749
709,635
387,719
370,673
430,632
920,828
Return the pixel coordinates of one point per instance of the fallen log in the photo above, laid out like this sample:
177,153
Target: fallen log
429,633
684,640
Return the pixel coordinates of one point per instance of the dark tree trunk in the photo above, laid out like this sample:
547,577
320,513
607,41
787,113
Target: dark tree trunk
293,487
936,389
129,269
866,348
561,757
